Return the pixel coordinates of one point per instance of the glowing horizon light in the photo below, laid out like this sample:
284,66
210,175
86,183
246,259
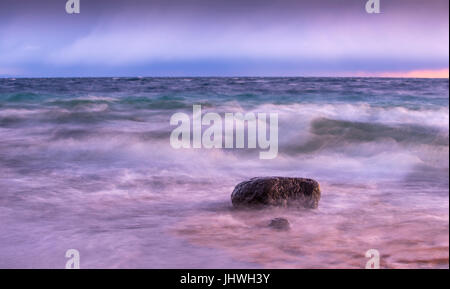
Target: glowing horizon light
424,73
431,73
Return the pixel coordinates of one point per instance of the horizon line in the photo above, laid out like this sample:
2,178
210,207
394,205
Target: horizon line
213,76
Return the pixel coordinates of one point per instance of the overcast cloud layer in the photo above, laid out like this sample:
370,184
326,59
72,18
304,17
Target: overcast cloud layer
215,37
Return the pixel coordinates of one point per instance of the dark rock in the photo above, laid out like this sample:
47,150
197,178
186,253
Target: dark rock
277,191
279,224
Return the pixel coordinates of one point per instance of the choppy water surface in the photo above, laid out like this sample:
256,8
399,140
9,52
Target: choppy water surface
87,164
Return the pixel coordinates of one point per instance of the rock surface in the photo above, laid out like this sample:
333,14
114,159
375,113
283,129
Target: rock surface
277,191
279,224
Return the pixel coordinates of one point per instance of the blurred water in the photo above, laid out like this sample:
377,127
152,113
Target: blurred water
87,164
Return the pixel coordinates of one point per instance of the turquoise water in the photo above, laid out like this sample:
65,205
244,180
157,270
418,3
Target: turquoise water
87,164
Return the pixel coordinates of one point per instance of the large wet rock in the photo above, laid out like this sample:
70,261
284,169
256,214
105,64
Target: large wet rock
277,191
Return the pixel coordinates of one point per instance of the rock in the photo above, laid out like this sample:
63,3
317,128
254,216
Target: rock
277,191
279,224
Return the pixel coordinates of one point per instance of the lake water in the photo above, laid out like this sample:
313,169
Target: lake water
87,164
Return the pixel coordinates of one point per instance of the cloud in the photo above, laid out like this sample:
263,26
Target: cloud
138,42
290,37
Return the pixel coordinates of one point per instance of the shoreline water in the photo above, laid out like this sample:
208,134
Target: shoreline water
87,164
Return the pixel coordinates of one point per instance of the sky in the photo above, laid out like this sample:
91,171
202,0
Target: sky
409,38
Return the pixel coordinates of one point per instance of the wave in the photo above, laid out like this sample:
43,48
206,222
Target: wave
359,112
341,131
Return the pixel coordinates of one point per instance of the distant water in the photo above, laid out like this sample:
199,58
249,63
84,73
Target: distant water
86,164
